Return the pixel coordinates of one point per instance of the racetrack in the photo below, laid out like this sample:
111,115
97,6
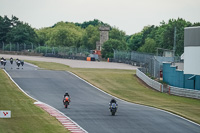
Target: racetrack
74,63
89,106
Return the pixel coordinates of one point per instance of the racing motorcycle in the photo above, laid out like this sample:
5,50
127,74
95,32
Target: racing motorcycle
66,101
113,108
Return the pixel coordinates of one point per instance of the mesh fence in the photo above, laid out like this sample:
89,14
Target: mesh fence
62,52
149,63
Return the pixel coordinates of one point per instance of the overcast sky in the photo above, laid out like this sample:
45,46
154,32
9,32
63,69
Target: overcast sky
128,15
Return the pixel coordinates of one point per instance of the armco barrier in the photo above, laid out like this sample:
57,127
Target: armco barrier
171,89
184,92
154,84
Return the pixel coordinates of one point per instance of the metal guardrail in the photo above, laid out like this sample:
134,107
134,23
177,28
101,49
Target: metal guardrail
184,92
154,84
171,89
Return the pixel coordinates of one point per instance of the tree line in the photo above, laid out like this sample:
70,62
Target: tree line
85,35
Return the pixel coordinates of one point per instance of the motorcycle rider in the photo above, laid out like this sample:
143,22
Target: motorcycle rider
11,60
112,101
4,63
2,59
66,94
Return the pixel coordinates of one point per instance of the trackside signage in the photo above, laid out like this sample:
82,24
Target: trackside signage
5,114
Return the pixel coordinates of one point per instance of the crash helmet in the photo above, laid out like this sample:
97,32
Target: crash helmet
113,100
66,93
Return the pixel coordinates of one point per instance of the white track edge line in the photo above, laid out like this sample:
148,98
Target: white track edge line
42,102
134,103
31,64
20,87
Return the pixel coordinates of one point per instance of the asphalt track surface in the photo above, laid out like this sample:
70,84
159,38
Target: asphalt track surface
89,106
74,63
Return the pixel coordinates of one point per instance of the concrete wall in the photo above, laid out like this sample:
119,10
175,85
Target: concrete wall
177,78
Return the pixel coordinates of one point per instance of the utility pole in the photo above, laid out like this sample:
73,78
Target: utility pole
174,48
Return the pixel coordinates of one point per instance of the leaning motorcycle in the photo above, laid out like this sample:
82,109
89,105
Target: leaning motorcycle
113,108
66,101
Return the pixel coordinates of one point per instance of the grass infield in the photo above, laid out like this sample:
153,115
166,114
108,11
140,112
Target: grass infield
25,116
125,85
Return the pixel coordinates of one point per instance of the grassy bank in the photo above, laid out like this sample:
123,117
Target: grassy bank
26,117
125,85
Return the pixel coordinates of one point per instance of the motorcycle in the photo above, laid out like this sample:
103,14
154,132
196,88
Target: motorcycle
2,62
66,101
113,108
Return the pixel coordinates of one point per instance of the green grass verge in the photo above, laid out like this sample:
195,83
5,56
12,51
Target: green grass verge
25,116
125,85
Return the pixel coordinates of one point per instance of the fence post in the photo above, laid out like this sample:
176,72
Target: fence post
3,46
32,46
24,46
39,48
46,50
17,47
10,46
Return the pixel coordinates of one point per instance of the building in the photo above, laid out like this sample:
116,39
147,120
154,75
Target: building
104,36
189,77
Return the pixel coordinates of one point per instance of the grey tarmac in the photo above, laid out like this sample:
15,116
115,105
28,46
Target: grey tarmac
89,106
74,63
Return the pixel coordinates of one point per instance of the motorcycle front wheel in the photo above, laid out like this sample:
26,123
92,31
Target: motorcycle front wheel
66,104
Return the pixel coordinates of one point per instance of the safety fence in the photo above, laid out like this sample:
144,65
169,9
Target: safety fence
184,92
152,83
170,89
62,52
151,64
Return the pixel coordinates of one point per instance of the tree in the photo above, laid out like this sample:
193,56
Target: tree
149,46
117,34
43,35
62,34
6,25
95,23
21,33
91,36
165,34
135,41
111,45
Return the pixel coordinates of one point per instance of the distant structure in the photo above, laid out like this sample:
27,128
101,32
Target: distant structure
104,31
191,50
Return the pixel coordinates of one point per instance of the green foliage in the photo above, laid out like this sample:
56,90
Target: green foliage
117,34
26,116
11,47
22,33
162,35
135,41
45,49
116,42
165,34
90,37
149,46
95,23
42,35
62,34
111,45
14,31
67,34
